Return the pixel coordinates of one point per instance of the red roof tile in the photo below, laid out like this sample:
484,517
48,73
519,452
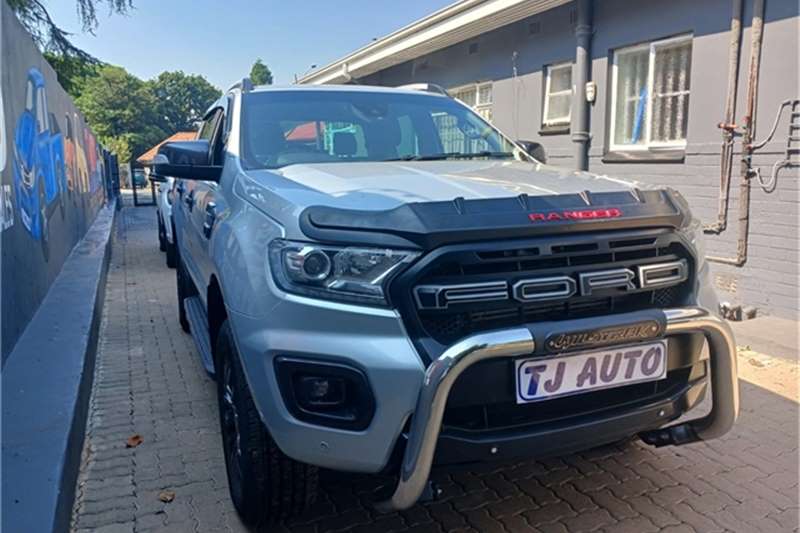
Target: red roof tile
148,156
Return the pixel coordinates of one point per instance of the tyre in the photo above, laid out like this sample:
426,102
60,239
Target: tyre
186,289
172,247
172,253
265,485
162,234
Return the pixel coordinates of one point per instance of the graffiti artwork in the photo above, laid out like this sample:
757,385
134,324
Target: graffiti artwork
94,161
74,155
6,208
2,133
40,177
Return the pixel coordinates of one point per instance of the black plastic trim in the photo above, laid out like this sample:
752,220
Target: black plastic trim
400,291
287,367
429,225
581,433
544,332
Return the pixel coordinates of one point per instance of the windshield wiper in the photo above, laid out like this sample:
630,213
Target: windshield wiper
485,153
453,155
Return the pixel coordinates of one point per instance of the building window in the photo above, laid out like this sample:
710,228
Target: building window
478,96
557,95
650,95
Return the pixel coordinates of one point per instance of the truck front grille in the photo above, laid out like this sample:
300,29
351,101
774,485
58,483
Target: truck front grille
460,290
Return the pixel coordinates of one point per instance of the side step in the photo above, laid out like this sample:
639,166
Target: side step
198,322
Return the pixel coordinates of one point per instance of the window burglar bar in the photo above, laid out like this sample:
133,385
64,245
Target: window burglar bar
558,95
650,91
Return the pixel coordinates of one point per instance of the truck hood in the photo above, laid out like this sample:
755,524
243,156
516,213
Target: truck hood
385,185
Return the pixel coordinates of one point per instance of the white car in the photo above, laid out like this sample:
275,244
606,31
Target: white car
166,227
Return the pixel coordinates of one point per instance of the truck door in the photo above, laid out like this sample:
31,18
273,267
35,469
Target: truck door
200,200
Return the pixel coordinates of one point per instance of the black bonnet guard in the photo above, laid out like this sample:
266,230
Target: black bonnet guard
428,225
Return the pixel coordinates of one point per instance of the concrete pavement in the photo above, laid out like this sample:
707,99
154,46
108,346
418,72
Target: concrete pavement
779,337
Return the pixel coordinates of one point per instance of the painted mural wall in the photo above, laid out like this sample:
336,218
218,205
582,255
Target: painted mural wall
53,177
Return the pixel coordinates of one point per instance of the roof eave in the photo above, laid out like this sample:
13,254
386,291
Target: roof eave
451,25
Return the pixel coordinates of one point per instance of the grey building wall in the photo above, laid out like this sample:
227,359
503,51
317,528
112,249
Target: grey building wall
769,280
66,155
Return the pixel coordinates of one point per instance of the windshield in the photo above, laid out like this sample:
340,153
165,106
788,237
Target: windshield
283,128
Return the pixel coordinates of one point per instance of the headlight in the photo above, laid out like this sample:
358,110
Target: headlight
350,274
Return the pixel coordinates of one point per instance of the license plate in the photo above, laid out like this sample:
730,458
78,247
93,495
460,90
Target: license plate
543,379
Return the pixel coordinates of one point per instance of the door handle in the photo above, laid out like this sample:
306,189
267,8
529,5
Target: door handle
211,217
189,200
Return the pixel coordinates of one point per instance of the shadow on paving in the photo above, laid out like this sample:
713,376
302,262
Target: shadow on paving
149,381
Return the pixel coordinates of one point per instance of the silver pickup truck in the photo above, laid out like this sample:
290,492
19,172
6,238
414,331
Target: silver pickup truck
380,281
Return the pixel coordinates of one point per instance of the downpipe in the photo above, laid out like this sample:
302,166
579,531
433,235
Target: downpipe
757,28
728,126
443,372
583,66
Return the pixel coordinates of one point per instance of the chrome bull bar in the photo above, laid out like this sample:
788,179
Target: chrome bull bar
444,371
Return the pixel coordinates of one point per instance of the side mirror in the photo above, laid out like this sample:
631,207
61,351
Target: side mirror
534,149
189,160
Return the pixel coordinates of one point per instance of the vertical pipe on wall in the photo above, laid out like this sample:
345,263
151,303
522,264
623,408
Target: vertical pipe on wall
583,67
727,125
757,37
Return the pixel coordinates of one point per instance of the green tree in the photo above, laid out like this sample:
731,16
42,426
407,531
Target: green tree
52,38
72,71
182,99
122,110
260,73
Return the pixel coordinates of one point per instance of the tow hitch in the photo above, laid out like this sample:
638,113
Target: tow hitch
674,435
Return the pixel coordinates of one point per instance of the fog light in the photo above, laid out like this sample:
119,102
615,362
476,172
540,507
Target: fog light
325,393
318,391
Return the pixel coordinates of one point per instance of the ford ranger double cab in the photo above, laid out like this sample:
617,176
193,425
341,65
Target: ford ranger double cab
381,282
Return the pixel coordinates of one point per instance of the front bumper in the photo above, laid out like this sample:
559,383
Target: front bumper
573,433
444,371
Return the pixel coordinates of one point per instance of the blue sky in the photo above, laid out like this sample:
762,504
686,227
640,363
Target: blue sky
220,39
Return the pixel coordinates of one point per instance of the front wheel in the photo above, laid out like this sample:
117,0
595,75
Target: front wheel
162,238
186,289
172,247
265,485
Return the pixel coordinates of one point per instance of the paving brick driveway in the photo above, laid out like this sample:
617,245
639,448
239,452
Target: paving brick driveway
150,382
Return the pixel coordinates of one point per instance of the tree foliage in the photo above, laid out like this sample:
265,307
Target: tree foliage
130,115
260,74
182,99
127,114
73,72
50,36
123,111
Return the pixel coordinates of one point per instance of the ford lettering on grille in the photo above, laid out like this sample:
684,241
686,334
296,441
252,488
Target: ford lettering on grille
553,288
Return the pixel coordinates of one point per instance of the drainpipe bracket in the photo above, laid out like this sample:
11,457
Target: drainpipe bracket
581,136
